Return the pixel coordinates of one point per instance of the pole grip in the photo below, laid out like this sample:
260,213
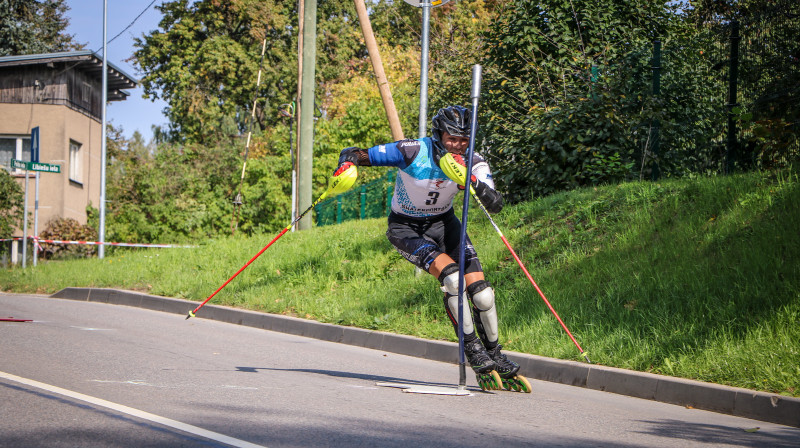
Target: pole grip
475,93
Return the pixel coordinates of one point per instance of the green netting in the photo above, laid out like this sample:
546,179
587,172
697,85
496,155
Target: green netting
371,200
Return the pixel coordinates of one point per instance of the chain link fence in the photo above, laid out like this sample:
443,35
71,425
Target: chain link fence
370,200
725,100
754,63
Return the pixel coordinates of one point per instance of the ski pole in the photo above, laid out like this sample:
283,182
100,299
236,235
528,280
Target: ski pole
462,247
505,241
339,184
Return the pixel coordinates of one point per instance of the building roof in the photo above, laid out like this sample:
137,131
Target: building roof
86,61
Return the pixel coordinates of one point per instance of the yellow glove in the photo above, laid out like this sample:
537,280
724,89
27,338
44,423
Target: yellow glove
455,168
343,178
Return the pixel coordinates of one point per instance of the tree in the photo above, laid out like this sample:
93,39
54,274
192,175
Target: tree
34,26
10,204
456,44
569,93
204,58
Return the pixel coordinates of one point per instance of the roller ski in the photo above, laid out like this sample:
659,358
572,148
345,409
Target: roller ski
482,365
506,370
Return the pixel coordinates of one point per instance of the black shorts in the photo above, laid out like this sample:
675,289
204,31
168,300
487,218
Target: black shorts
421,240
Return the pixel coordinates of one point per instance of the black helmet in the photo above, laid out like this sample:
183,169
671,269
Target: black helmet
455,120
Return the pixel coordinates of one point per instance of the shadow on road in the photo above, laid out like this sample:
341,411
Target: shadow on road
359,376
708,433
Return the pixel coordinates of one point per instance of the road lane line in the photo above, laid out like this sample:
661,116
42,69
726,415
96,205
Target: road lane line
222,438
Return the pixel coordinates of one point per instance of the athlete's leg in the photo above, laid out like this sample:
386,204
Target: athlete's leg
484,311
479,291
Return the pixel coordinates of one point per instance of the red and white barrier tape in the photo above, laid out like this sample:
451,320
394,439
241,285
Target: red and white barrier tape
94,243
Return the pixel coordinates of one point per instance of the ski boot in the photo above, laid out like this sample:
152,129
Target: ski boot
507,370
482,365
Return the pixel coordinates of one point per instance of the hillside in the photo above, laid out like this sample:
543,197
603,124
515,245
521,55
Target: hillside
696,278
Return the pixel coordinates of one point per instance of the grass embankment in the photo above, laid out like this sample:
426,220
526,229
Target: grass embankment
691,278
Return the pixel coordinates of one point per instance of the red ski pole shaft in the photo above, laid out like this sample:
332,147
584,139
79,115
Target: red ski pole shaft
277,237
527,274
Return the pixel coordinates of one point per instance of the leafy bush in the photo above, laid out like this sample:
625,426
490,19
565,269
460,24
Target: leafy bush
555,153
571,99
10,204
70,230
179,194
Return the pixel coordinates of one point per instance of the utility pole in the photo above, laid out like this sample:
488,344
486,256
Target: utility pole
298,109
306,143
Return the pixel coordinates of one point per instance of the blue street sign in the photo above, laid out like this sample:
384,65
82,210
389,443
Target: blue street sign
35,144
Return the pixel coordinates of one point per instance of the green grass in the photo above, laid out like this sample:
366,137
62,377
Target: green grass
694,278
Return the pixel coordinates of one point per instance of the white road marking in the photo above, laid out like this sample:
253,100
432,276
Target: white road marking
91,329
222,438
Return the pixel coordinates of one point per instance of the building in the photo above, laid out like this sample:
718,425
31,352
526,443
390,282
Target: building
61,94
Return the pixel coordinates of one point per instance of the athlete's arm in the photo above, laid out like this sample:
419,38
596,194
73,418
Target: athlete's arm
399,154
484,186
354,155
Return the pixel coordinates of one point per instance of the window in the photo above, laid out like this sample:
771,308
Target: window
86,95
75,170
14,147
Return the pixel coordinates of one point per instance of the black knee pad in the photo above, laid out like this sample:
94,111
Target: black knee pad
449,269
448,278
477,287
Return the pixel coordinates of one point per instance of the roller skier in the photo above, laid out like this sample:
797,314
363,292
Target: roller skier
424,229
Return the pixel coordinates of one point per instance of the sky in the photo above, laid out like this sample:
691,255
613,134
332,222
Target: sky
86,26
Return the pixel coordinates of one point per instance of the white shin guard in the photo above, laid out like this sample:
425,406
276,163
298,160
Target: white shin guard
484,302
452,303
450,284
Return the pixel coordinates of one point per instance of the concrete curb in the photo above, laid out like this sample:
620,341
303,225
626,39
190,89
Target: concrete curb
696,394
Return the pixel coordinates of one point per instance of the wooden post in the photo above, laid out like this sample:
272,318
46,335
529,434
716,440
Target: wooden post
377,66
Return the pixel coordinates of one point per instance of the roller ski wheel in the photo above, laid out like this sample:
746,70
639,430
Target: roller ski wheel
517,383
489,380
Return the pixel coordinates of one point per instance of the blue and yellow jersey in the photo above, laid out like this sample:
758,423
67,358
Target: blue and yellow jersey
422,189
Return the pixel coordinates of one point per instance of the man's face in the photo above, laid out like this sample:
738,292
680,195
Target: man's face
454,144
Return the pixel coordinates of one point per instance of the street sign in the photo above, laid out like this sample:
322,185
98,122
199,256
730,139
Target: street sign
19,164
35,166
421,3
35,144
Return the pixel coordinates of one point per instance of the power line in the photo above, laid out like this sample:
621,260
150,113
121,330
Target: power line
130,24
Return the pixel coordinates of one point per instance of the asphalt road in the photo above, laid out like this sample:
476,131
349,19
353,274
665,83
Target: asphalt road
90,374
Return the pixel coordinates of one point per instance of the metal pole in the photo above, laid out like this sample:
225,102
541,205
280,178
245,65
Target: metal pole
474,94
36,220
423,71
306,154
423,81
25,224
732,149
102,230
655,170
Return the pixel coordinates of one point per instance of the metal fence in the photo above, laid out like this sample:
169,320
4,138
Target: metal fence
757,58
726,100
371,200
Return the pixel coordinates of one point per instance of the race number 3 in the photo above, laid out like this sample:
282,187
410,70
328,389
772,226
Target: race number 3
434,196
